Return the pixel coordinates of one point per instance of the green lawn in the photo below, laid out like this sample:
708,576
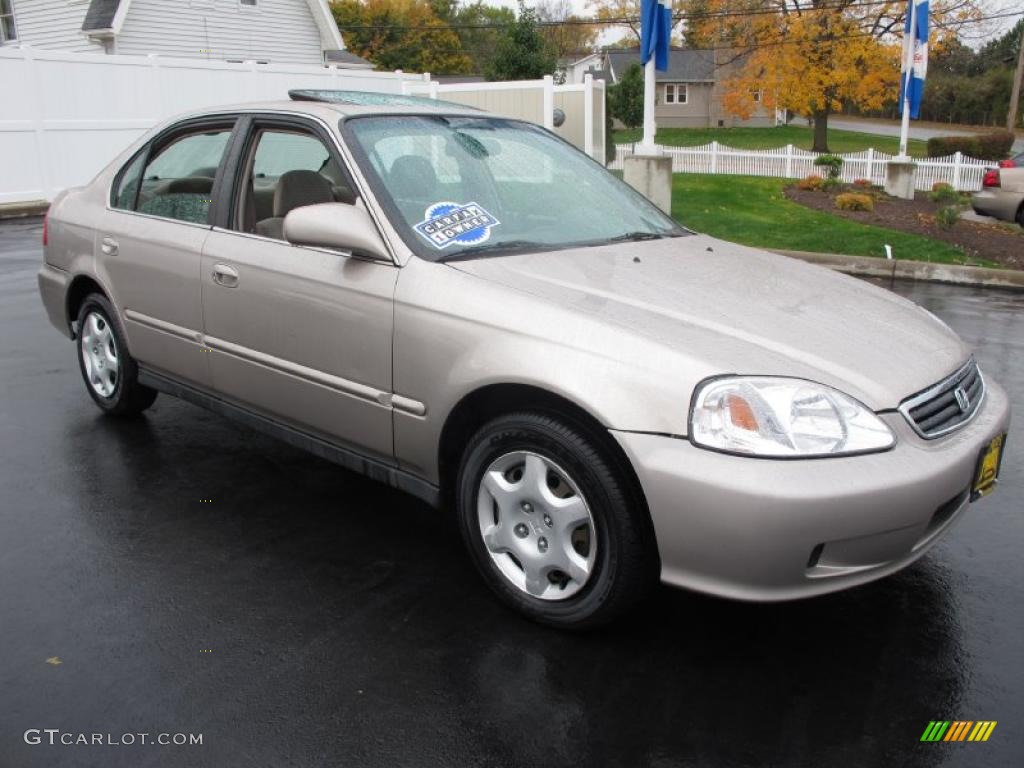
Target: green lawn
767,138
754,211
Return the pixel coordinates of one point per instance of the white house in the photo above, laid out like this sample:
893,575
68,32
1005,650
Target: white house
279,31
571,69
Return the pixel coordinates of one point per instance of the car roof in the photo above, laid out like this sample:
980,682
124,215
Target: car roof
330,111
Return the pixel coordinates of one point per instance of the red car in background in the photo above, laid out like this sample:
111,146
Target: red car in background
1017,161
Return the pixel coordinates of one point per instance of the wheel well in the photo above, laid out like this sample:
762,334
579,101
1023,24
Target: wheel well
80,287
487,403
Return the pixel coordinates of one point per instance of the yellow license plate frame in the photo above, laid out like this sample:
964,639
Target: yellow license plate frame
986,472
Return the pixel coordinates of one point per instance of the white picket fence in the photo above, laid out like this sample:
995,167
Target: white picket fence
963,172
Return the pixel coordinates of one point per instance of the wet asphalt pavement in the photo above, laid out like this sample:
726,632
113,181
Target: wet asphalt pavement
305,616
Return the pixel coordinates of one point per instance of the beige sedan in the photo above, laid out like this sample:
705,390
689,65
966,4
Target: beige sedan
469,309
1001,195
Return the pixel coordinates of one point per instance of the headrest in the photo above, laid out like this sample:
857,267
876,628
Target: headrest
298,188
412,176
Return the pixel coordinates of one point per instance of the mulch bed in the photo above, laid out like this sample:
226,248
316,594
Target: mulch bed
1002,243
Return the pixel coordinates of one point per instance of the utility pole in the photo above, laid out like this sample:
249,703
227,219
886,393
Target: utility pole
1011,117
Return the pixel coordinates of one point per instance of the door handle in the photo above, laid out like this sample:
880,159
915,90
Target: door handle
225,275
109,246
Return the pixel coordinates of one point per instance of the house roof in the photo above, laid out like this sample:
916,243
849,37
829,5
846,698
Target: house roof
346,59
577,57
684,65
100,15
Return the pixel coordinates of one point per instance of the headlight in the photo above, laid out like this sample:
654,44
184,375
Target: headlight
769,416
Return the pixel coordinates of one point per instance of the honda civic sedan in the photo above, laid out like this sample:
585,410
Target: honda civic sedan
467,308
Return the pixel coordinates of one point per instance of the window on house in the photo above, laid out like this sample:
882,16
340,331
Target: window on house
675,93
757,96
7,28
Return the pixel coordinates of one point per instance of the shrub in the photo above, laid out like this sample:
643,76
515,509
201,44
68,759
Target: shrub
626,98
943,193
984,146
810,182
831,163
831,184
851,201
940,146
863,183
948,216
995,145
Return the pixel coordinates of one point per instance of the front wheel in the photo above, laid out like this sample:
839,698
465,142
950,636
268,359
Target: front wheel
109,371
551,522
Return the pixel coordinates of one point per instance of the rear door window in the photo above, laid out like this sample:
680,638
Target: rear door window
177,182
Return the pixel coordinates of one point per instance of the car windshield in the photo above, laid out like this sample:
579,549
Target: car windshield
459,187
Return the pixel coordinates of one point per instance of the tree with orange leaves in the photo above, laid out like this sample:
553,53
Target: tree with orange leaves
811,56
400,34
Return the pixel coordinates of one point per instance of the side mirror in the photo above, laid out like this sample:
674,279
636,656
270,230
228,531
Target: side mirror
335,225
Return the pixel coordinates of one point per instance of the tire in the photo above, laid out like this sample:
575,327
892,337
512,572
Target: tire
557,530
108,370
1020,215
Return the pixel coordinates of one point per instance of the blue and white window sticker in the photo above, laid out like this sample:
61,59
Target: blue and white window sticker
450,223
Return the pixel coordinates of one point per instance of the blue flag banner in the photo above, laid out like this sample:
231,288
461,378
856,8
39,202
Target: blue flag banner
655,32
918,38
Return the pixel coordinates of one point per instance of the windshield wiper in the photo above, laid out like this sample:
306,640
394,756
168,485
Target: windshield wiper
505,245
636,236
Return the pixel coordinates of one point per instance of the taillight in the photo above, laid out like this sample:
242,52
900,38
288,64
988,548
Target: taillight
991,178
1007,163
46,228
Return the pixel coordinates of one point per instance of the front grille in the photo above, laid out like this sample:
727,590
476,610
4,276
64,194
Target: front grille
948,405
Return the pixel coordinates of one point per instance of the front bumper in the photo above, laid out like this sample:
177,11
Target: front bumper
763,529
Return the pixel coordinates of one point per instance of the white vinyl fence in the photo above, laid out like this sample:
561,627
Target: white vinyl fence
583,105
962,172
63,115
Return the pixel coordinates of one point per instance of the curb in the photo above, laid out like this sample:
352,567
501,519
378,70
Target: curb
21,210
903,269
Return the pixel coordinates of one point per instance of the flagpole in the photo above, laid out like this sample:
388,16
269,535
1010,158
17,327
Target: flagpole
909,41
647,142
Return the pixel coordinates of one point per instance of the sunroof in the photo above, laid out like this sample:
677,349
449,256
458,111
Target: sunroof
369,99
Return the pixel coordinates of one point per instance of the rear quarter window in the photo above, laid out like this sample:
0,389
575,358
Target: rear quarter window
126,186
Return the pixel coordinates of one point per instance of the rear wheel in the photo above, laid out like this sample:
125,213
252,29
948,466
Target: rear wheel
551,523
1020,215
110,373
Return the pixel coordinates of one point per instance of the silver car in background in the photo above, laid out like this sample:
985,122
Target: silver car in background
467,308
1001,194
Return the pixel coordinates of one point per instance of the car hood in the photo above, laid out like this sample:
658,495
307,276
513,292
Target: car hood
727,308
